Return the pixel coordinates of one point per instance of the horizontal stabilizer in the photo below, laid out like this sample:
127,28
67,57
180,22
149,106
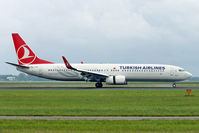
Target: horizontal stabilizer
16,65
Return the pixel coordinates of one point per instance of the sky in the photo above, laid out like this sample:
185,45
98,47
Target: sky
103,31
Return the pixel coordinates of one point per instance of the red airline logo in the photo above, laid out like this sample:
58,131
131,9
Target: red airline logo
25,55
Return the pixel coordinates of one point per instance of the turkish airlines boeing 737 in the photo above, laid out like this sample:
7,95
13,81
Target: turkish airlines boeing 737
114,74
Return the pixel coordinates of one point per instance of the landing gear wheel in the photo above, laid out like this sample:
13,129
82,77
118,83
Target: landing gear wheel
98,85
174,85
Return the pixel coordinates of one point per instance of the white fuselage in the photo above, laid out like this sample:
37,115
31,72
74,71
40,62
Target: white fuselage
132,72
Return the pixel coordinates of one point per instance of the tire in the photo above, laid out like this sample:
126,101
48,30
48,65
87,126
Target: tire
101,85
174,85
98,85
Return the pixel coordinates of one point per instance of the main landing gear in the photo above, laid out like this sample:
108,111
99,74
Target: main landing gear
99,85
174,85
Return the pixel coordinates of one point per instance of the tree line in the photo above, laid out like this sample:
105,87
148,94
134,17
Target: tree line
21,77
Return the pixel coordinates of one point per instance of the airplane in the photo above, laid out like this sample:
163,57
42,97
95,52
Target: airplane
112,74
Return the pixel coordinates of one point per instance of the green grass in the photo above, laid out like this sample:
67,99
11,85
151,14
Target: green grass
98,102
95,102
99,126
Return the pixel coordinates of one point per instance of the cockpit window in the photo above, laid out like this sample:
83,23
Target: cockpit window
181,70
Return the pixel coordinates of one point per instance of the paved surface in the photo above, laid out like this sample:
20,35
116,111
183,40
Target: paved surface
98,88
99,118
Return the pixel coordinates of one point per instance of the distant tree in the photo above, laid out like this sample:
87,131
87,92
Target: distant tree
35,78
27,77
22,77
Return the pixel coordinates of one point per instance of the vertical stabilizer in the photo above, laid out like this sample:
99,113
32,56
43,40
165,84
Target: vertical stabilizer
24,54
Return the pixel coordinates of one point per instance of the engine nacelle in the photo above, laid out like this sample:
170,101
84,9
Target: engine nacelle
116,80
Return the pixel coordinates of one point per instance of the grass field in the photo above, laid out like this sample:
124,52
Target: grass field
94,102
99,126
98,102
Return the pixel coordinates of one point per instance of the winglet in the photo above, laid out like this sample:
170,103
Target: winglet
66,63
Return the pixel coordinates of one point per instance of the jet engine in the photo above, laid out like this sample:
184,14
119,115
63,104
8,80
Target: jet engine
116,80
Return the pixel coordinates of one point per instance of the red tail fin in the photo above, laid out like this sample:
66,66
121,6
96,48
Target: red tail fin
24,53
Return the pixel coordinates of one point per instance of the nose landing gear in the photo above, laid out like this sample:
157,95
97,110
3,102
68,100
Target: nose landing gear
174,85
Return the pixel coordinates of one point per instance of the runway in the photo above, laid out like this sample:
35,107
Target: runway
100,117
184,88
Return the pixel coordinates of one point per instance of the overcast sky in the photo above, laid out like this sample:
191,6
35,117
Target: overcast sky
103,31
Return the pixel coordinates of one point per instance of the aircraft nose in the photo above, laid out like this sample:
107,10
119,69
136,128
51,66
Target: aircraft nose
188,75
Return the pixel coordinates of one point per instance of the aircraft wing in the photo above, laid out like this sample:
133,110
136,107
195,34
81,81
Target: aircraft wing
87,74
